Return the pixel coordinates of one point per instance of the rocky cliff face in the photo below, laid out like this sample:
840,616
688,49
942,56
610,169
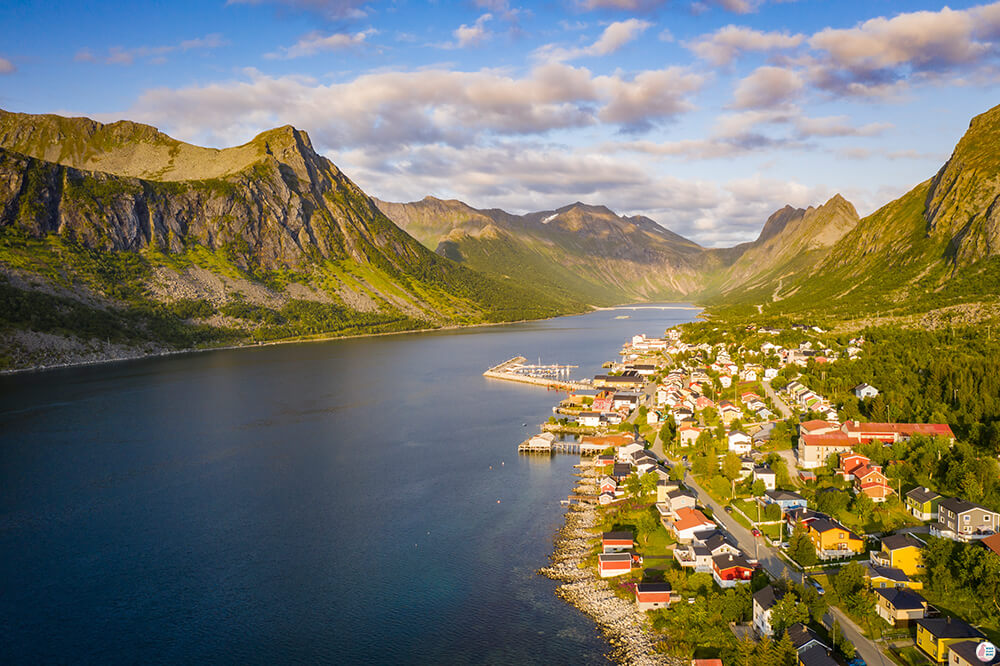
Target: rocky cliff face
962,203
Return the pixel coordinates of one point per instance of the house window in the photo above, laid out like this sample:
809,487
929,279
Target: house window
966,518
986,519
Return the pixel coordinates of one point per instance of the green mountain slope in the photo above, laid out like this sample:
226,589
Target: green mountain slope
251,232
578,251
938,246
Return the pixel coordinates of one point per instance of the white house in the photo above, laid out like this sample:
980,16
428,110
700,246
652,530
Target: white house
591,419
865,391
770,374
739,442
763,601
766,475
726,381
625,452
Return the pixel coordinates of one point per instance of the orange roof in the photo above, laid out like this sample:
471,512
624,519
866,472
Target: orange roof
909,429
993,543
688,518
828,439
609,440
706,662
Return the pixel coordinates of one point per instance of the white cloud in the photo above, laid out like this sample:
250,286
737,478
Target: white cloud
425,106
473,35
317,42
767,87
6,66
724,45
118,55
877,56
335,9
613,38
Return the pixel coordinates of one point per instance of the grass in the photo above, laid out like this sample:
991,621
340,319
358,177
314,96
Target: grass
773,532
910,656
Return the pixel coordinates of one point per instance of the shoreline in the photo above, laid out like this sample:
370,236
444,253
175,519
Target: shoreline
271,343
620,621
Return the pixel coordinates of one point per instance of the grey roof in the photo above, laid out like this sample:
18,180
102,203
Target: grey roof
897,541
901,598
801,636
783,495
727,560
921,494
700,550
967,651
949,627
763,470
653,587
615,557
892,573
716,541
619,535
816,656
674,494
960,506
766,597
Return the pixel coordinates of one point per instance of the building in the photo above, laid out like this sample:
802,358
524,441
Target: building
739,442
787,500
690,522
625,381
589,419
815,449
728,570
614,564
766,476
650,596
964,521
889,577
992,542
803,638
889,433
863,391
696,556
817,655
764,600
832,540
923,503
900,551
899,606
965,653
934,635
616,542
870,480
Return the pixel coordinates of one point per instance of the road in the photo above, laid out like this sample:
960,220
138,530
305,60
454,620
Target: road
786,412
777,568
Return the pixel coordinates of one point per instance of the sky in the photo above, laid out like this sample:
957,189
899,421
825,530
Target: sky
705,115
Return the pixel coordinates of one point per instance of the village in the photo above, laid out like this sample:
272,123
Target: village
727,513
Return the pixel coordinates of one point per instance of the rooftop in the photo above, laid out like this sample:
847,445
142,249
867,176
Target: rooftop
949,627
902,598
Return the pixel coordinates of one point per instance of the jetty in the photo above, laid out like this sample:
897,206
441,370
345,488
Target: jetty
555,376
547,444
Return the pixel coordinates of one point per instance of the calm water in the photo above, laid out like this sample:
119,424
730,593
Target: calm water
328,502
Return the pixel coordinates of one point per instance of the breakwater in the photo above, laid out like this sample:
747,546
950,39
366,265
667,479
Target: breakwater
510,369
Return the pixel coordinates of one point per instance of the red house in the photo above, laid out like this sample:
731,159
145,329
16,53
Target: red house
616,542
851,462
872,482
653,595
614,564
729,569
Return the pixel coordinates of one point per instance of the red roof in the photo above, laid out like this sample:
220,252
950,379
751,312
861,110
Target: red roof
688,518
906,429
836,438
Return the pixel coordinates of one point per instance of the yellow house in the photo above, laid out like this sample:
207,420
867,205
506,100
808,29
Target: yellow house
901,551
889,577
934,635
833,539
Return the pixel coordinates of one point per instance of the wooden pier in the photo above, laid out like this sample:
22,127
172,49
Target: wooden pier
547,444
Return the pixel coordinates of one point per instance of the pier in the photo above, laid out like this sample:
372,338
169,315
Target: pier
546,444
550,376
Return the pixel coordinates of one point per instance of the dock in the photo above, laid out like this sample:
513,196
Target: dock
546,444
550,376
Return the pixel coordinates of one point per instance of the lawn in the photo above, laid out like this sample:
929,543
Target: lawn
910,656
773,532
747,506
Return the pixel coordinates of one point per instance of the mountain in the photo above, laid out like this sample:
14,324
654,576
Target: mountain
792,241
936,248
577,251
268,238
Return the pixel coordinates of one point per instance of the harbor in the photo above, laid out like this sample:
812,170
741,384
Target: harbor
552,376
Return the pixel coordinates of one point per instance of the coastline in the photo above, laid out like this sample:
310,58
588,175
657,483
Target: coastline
270,343
619,620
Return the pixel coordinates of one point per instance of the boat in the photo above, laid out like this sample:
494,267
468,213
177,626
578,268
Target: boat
623,317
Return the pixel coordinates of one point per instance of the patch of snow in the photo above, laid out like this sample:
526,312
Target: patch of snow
550,218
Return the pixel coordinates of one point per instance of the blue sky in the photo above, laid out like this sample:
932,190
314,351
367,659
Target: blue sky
706,115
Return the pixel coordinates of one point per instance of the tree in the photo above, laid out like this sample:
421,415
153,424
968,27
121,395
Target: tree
758,488
731,466
850,585
801,549
647,523
648,483
785,652
772,512
787,611
704,466
677,472
759,580
864,506
633,486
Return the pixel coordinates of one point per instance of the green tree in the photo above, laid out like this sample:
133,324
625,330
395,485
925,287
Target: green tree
787,611
785,653
772,512
648,482
800,547
864,506
731,466
633,486
758,488
677,472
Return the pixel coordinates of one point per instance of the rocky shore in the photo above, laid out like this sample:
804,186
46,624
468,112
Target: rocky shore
619,620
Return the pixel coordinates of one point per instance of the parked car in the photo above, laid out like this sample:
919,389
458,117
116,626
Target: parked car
755,532
729,509
819,588
857,661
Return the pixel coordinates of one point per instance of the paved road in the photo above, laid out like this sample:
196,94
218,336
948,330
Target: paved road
777,568
786,412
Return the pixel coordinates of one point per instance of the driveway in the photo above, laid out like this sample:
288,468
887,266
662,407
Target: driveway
786,412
